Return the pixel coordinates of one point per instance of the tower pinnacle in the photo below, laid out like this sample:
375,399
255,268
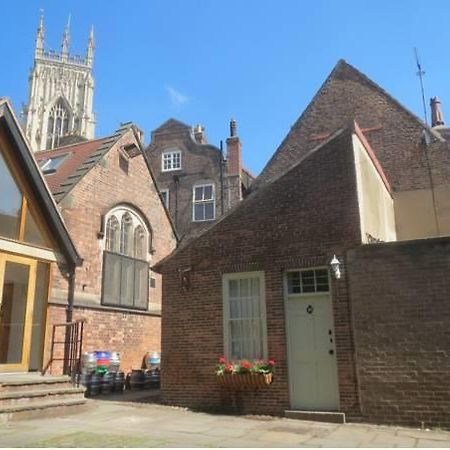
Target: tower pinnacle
90,48
39,49
66,40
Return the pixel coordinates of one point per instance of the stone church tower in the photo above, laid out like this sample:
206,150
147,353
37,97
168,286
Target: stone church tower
60,101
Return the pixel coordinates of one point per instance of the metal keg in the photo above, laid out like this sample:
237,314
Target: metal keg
107,383
119,381
137,379
103,360
96,381
88,362
114,364
155,378
152,360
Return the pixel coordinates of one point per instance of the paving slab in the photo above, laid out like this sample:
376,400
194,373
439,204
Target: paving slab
132,422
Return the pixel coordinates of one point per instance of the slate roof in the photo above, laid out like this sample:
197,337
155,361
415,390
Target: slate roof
37,183
80,159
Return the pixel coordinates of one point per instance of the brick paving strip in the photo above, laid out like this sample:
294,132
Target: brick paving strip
121,422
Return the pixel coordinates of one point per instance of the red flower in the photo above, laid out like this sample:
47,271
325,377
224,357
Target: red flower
246,364
222,360
272,362
228,368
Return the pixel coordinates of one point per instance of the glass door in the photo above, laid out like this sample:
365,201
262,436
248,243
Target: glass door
17,286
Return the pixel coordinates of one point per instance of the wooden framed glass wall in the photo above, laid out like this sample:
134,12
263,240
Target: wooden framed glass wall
24,276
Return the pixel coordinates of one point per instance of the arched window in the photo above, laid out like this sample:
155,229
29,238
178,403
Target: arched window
126,259
58,123
140,242
112,235
126,234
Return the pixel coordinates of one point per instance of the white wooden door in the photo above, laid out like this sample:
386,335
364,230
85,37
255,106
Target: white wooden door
312,364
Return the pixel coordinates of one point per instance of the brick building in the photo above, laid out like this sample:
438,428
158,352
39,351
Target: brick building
198,185
109,200
359,177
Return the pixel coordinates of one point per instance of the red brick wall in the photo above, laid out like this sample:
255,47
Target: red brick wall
401,316
105,186
130,334
299,221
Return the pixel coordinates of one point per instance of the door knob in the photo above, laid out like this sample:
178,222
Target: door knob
331,352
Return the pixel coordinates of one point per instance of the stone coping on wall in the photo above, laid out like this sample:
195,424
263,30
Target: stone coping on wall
412,243
59,298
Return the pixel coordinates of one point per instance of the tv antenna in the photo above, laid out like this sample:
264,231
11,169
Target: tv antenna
420,73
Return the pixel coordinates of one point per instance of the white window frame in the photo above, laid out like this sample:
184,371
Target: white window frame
226,308
307,294
199,202
166,192
170,154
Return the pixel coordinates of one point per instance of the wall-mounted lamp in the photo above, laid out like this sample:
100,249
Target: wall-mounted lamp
334,264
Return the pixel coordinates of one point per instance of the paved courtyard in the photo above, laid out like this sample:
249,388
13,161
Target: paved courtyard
114,423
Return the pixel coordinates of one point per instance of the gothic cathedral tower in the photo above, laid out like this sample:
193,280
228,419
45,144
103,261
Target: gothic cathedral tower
61,94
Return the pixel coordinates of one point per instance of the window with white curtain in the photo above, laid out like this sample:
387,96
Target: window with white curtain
244,316
125,260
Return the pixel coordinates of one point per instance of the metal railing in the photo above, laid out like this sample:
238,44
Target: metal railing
72,343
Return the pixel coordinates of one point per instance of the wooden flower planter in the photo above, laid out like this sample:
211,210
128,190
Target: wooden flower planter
245,381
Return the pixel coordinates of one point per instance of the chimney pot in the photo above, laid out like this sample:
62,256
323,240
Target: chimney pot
233,128
199,134
437,117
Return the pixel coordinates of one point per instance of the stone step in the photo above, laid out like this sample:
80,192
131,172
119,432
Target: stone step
316,416
11,384
42,409
9,398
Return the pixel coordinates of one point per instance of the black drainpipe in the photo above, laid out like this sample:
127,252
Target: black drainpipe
69,319
70,294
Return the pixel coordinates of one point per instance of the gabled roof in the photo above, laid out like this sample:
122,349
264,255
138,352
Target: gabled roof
353,106
82,157
37,183
79,160
254,201
171,125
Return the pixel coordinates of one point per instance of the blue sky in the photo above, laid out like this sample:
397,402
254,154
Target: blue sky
207,61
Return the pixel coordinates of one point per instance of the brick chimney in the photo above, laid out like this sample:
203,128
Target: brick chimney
199,134
234,166
234,150
437,118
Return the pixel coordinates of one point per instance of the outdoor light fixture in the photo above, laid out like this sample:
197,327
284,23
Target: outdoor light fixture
334,264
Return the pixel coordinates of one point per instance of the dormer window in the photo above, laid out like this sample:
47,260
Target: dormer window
171,160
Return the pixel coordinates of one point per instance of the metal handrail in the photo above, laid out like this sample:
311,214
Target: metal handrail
73,343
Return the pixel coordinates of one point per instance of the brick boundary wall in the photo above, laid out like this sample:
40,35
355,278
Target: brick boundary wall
131,334
401,316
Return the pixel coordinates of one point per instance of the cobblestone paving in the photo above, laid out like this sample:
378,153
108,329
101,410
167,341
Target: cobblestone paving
126,424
